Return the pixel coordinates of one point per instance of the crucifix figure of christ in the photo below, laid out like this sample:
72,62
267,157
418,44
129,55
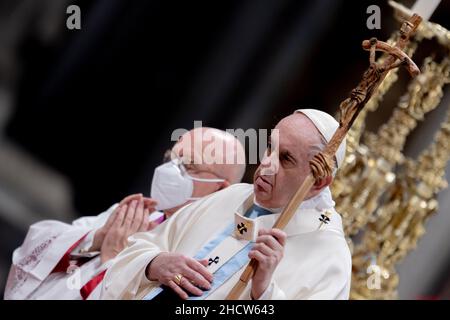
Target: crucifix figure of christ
373,76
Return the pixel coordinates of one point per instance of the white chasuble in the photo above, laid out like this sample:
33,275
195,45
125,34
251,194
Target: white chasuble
32,274
316,262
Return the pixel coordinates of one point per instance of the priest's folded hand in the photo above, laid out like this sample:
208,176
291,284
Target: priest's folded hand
128,219
100,234
180,273
268,251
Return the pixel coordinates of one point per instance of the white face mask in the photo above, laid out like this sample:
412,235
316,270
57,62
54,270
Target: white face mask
173,186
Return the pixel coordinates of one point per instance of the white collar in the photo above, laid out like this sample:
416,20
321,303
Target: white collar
307,221
319,202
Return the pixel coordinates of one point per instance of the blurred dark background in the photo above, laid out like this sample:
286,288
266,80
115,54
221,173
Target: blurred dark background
86,115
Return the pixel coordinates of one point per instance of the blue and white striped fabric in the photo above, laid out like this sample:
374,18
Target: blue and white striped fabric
233,265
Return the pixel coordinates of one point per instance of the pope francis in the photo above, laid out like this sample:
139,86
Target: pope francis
201,252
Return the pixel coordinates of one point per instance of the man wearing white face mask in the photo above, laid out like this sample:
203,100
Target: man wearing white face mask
201,252
68,261
190,172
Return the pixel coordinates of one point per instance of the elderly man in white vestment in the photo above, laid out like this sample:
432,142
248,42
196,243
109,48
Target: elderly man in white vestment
68,261
202,250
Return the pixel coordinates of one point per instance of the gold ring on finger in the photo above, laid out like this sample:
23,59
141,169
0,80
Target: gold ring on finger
178,278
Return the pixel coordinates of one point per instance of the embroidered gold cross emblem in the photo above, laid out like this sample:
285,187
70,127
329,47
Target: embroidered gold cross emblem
242,228
211,261
324,218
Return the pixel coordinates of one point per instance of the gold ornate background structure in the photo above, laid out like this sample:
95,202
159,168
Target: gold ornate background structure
384,197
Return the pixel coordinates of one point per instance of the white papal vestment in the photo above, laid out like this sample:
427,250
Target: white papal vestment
316,263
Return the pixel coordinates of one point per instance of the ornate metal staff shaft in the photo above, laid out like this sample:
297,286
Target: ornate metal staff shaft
322,164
